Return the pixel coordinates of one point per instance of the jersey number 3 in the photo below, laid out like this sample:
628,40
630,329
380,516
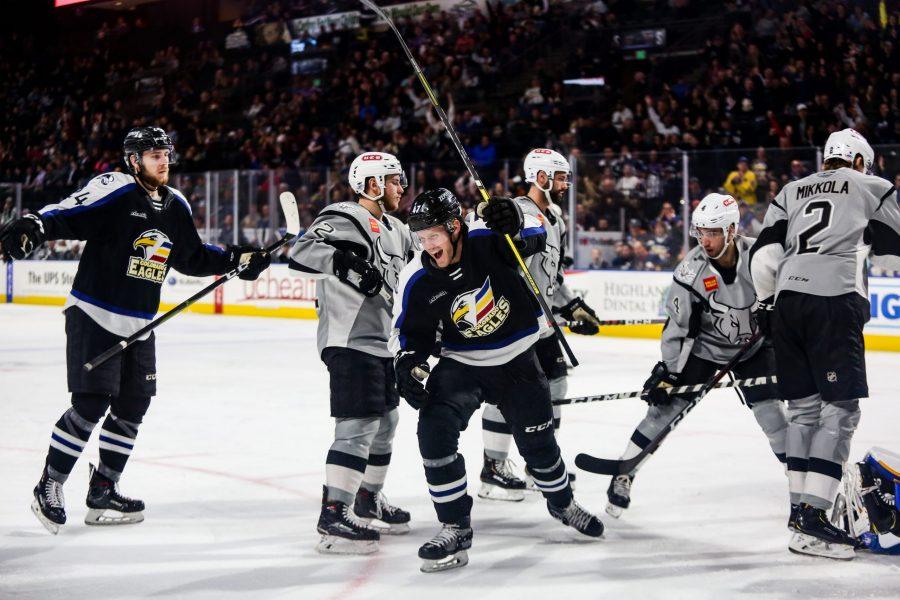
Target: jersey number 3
824,208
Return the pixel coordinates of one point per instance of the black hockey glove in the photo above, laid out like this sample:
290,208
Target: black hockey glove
412,368
501,215
366,278
762,313
581,317
256,259
654,392
20,237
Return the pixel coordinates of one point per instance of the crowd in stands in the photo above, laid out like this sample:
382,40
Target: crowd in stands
749,101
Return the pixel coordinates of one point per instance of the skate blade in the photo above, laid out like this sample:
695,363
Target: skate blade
614,511
332,544
808,545
386,528
495,492
105,516
454,561
49,525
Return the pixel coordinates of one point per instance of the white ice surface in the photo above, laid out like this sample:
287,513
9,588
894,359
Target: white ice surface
230,461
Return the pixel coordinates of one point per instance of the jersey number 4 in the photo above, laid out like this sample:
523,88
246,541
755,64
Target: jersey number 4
824,208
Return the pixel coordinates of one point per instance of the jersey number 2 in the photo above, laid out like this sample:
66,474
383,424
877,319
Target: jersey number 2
824,208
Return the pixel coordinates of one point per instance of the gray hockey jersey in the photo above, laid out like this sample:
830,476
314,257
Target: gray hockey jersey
707,316
546,268
347,318
819,231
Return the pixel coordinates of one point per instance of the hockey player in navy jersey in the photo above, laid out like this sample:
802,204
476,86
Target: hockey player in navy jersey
465,282
136,227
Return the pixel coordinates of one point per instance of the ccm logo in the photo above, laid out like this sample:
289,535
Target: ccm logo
371,157
542,151
541,427
728,201
151,377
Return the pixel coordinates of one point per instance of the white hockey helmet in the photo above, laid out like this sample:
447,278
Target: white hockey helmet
377,165
715,211
546,160
846,144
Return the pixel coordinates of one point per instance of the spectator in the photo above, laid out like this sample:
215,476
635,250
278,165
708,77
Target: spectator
741,183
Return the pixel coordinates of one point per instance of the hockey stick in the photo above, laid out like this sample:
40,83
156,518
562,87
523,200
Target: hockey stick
605,466
611,322
470,167
292,229
675,391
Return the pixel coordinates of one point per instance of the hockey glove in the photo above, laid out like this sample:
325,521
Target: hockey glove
20,237
412,369
762,313
582,318
501,215
357,272
654,392
256,259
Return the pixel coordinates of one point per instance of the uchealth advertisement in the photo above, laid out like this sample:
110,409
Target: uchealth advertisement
280,293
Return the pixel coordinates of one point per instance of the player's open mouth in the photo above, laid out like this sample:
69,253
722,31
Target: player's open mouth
437,254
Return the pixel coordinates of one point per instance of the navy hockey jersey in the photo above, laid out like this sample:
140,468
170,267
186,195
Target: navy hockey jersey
483,307
130,248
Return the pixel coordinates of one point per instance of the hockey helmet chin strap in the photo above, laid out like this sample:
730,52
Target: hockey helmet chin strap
726,245
548,188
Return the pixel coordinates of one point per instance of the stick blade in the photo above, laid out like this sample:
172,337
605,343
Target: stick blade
291,214
600,466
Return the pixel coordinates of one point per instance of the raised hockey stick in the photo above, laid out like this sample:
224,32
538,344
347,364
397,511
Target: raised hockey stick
674,391
292,229
470,167
605,466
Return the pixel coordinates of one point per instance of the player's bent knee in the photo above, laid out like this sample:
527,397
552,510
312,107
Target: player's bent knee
805,411
90,407
131,408
770,415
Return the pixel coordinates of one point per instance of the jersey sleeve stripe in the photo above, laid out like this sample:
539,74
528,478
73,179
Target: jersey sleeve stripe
493,345
885,197
531,231
59,208
407,289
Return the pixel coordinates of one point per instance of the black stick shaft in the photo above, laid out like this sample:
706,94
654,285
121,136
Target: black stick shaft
121,346
675,391
605,466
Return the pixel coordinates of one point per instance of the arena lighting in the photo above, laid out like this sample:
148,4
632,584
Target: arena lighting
59,3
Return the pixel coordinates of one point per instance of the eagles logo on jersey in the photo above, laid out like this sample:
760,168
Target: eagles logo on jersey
476,313
154,247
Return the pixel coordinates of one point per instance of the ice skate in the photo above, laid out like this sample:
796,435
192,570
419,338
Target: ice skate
373,509
447,549
499,482
816,536
577,518
342,532
49,504
106,506
619,495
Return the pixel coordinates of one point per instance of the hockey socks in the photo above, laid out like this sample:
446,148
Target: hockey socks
447,485
67,441
116,443
553,482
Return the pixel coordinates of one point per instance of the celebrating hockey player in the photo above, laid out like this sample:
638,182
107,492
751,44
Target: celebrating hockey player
709,311
548,173
357,251
136,227
809,264
466,283
868,504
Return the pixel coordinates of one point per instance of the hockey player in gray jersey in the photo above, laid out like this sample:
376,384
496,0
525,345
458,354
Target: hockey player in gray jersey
548,173
809,269
357,250
709,309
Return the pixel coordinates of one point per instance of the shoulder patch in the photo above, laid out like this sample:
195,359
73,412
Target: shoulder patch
685,273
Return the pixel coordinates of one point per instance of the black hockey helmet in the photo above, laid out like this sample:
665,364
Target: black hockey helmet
433,207
141,139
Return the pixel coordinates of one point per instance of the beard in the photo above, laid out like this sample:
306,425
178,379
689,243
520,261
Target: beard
152,180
